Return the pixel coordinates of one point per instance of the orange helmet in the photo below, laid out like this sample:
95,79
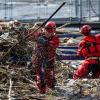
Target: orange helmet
85,30
50,27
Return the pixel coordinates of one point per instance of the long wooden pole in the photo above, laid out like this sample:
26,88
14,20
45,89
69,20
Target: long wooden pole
47,19
36,29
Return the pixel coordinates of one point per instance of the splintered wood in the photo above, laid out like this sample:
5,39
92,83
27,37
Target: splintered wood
18,83
17,77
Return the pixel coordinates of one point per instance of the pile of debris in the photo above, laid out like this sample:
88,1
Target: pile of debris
17,77
17,82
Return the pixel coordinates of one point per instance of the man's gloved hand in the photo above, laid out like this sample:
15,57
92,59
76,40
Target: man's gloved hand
43,41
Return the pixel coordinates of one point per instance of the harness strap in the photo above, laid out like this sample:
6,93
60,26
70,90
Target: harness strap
43,63
94,44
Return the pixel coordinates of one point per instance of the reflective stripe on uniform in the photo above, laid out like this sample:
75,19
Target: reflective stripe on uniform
95,58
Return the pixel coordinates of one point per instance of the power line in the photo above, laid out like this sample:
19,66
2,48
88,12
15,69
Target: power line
91,5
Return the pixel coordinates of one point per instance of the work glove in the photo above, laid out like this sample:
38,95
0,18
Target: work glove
42,40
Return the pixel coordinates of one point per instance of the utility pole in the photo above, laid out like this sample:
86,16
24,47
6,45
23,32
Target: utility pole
80,10
5,11
89,9
76,8
38,13
99,8
11,14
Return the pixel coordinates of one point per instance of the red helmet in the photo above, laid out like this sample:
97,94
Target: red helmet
85,30
50,27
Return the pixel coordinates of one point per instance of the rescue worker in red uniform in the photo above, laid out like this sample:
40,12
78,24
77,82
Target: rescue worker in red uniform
45,52
89,48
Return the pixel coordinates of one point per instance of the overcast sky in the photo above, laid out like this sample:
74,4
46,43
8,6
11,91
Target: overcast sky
26,0
18,0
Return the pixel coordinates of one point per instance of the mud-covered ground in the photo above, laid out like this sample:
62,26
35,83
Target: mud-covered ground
17,83
17,77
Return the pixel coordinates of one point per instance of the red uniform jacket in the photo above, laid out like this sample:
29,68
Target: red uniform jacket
90,46
46,51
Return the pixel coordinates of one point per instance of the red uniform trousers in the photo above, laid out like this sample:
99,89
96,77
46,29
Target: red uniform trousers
83,70
49,79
